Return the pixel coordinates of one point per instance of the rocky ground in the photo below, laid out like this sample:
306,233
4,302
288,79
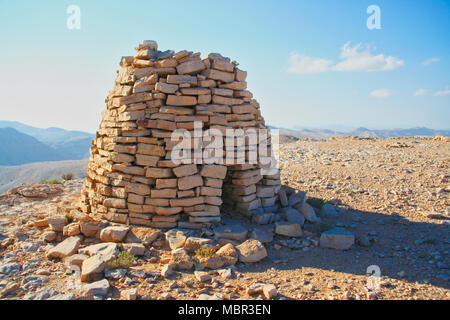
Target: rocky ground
391,195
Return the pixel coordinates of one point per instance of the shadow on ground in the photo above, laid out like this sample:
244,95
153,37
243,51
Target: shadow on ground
419,250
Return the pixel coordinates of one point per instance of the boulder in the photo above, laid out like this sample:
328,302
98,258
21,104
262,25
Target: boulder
71,229
227,255
49,236
136,249
226,273
269,291
363,241
75,260
62,296
308,212
204,296
328,210
265,235
293,216
255,288
113,234
283,198
337,238
288,229
64,249
251,251
231,230
10,267
194,243
89,228
10,288
176,238
297,198
57,223
202,276
181,260
96,288
129,294
93,267
115,274
100,248
142,235
166,271
42,223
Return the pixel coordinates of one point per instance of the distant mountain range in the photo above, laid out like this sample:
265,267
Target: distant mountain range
364,132
21,144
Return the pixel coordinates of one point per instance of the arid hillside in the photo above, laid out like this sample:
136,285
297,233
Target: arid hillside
391,195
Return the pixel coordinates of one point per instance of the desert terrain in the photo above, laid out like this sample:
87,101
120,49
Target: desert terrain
13,176
392,194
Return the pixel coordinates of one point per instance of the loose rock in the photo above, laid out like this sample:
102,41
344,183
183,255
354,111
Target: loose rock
96,288
288,229
64,249
181,260
113,234
251,251
337,238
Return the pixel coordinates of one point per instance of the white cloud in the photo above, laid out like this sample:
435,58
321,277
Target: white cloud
359,58
421,92
442,93
307,65
430,61
354,59
381,93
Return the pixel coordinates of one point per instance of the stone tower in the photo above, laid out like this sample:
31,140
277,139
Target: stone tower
180,137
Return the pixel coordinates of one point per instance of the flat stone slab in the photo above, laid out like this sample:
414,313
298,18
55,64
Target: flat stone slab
181,260
205,296
308,212
63,296
176,238
136,249
93,267
202,276
297,198
328,210
231,230
96,288
142,235
113,234
100,248
194,243
8,268
227,255
294,216
288,229
337,238
251,251
64,249
265,235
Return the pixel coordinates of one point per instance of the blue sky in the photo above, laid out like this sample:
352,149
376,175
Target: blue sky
310,63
